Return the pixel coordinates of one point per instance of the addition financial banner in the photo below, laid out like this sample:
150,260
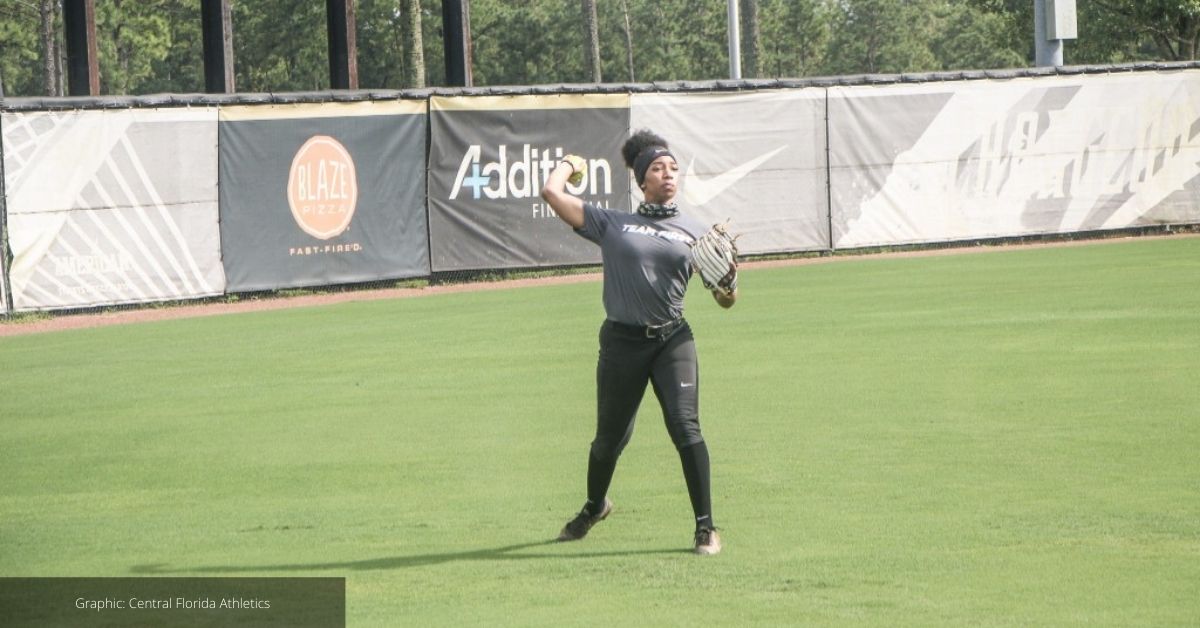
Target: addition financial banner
489,157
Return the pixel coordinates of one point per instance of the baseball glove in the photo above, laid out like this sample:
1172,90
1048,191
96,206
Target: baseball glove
714,256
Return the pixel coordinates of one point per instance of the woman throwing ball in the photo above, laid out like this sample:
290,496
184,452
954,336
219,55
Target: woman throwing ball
647,258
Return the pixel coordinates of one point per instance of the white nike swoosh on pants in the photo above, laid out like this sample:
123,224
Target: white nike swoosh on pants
699,191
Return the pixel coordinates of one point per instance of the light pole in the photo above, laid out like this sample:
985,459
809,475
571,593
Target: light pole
1053,21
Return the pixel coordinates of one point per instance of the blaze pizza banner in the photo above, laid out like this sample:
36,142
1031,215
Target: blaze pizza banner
967,160
488,159
755,157
111,206
320,194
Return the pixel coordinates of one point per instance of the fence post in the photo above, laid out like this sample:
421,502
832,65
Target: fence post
343,46
83,65
828,174
217,24
5,262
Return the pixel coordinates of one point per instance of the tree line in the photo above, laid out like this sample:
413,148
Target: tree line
153,46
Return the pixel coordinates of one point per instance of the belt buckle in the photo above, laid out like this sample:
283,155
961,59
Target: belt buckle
660,331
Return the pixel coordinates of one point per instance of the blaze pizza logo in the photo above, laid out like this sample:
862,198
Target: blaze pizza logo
322,187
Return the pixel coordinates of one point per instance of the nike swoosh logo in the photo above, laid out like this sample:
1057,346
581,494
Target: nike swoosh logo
699,191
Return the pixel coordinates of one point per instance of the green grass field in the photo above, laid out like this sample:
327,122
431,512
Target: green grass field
1007,438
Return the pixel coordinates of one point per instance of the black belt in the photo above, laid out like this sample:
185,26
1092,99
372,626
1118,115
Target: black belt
657,332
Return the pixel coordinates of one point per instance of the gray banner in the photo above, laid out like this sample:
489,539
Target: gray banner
3,272
108,207
3,235
173,602
488,159
320,195
962,161
3,267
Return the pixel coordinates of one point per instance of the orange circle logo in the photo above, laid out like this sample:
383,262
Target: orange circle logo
322,187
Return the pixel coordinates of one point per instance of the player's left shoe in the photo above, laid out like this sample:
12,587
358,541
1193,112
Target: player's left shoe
708,542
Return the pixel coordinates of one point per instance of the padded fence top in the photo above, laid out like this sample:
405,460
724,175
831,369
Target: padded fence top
186,100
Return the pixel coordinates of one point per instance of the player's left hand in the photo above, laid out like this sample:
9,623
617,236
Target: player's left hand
714,256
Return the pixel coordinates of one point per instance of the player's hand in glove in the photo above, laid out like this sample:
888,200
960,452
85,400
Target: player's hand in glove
714,256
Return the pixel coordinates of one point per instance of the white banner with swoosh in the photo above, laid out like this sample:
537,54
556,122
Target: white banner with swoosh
755,157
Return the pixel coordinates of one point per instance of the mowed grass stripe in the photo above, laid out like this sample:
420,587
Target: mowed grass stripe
1002,438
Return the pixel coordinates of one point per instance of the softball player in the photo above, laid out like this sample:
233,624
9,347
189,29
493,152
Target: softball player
645,339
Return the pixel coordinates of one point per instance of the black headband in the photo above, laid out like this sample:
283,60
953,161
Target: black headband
642,162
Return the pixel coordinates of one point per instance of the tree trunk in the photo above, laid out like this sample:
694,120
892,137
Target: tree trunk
750,35
60,81
591,39
51,84
414,48
122,82
1189,35
628,40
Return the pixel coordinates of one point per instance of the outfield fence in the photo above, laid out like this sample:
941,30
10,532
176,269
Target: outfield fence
129,200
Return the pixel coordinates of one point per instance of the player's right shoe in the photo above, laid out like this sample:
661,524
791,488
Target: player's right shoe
578,527
708,542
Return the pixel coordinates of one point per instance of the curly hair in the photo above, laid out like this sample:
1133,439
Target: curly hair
638,142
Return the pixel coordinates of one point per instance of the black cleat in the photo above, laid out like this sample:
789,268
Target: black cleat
578,527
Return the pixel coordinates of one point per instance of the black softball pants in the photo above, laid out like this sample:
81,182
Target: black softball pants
629,360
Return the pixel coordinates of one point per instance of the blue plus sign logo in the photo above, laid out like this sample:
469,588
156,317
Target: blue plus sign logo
476,182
